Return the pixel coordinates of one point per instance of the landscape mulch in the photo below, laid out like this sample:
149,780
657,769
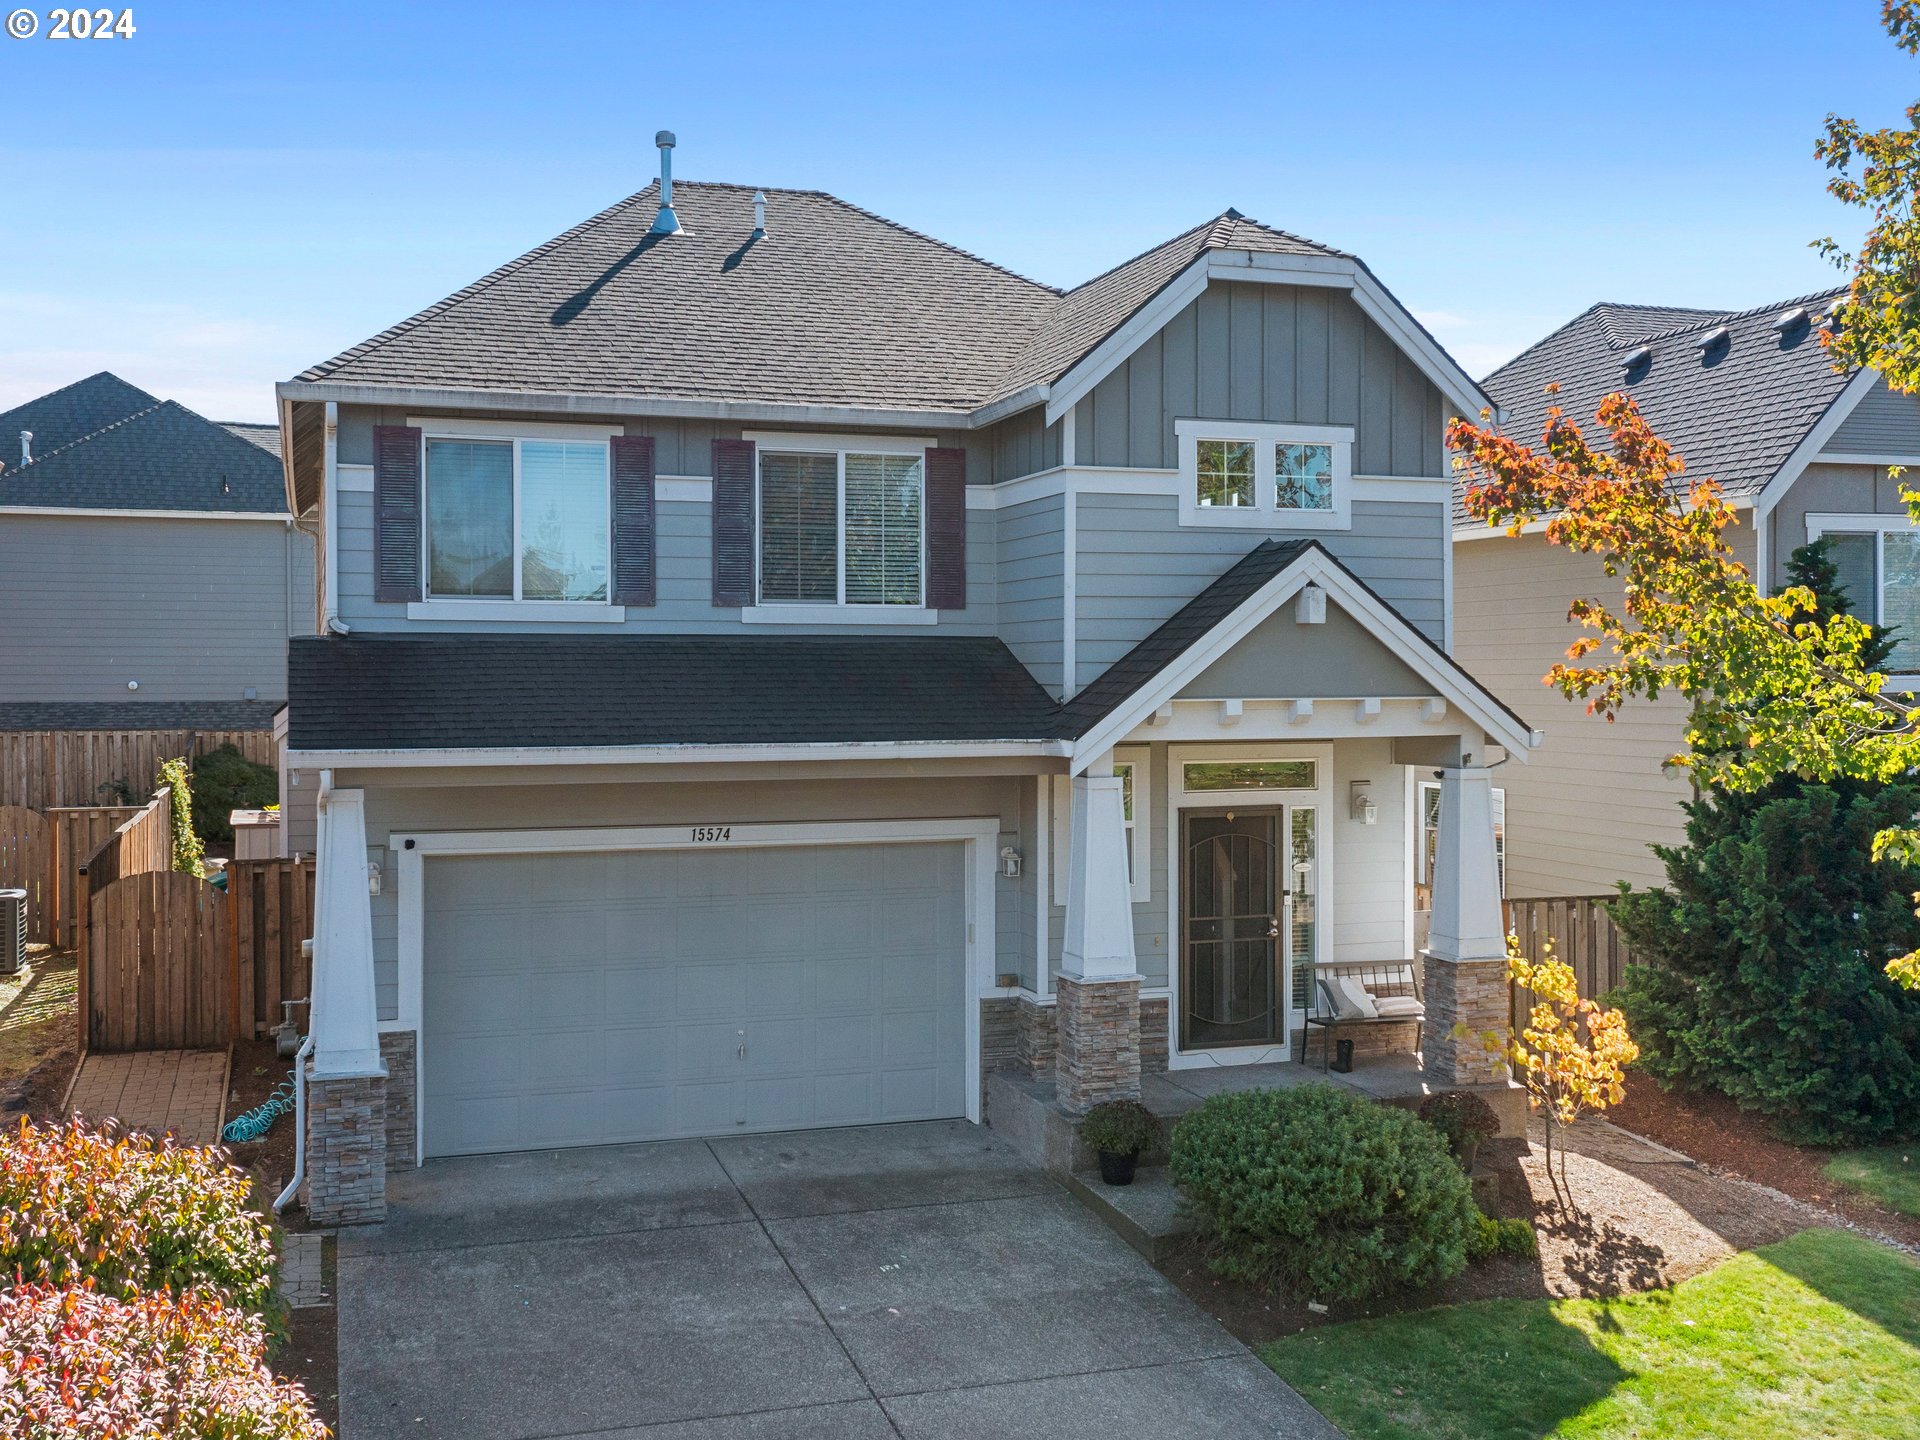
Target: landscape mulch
1719,1134
1640,1219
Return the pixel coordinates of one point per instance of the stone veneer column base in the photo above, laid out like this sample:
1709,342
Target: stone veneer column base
398,1049
1471,995
347,1151
1097,1054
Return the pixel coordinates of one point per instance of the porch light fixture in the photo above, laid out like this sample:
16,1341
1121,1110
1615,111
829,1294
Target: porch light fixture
1009,862
1363,807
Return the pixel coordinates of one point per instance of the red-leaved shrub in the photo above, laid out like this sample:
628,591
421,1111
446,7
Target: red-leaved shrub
130,1214
78,1365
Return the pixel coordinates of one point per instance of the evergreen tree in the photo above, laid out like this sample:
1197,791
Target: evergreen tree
1812,566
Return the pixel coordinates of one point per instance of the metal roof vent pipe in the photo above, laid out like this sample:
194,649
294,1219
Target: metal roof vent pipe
759,214
26,447
666,222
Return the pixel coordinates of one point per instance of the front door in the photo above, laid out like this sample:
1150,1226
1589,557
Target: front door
1233,951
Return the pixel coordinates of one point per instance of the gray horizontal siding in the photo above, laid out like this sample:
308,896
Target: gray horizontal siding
1031,577
190,609
1137,565
1883,423
1278,353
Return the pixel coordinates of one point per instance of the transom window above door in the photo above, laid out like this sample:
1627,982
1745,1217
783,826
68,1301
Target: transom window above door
841,527
516,519
1276,477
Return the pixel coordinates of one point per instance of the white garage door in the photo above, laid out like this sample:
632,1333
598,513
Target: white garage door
640,995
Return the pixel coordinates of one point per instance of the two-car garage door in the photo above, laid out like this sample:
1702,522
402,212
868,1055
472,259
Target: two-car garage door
580,999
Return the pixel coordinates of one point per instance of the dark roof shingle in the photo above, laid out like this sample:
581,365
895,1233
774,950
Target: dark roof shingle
164,457
70,413
137,715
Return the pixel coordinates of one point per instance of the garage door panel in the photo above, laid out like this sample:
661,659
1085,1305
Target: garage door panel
576,999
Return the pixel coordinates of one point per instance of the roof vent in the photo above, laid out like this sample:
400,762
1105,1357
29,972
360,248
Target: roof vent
1636,357
666,222
1791,319
26,447
1713,339
759,214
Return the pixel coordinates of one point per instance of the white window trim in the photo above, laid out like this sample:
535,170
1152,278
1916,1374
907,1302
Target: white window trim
411,849
840,611
1180,799
500,608
1263,514
1879,525
1424,788
1140,828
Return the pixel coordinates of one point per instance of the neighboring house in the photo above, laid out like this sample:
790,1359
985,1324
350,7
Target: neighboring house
776,672
150,573
1750,401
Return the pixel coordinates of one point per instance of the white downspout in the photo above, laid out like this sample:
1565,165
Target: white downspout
300,1061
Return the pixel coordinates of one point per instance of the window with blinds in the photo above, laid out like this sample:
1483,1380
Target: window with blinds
842,528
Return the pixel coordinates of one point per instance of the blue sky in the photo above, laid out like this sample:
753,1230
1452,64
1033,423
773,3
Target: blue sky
241,190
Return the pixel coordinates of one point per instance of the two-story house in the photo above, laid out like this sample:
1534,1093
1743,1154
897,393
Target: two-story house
1751,401
776,667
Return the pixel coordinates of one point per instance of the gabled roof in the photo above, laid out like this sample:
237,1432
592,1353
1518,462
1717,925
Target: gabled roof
1735,411
163,457
266,436
70,413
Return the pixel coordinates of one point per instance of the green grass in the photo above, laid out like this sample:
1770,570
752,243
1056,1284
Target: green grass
1818,1335
1890,1175
36,1013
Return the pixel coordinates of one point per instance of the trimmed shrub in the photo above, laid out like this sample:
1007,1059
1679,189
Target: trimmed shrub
1321,1192
1512,1238
129,1215
1121,1127
1767,949
84,1366
1461,1117
224,781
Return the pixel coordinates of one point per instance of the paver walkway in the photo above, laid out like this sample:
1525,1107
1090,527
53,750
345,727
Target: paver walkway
178,1091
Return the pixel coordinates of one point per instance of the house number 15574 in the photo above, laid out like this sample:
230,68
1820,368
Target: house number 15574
709,834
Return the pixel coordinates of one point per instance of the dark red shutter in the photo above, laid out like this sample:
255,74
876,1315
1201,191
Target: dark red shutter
947,529
633,524
733,522
396,513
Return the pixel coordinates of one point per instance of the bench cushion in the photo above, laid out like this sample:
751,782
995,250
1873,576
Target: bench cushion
1400,1007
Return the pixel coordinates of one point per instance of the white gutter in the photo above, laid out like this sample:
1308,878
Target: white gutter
299,1121
397,759
330,621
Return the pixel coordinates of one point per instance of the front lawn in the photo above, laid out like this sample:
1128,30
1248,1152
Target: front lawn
1890,1175
1817,1335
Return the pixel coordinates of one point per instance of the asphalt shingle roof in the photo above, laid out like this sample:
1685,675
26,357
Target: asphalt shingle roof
835,307
70,413
137,715
1734,412
162,457
267,437
484,691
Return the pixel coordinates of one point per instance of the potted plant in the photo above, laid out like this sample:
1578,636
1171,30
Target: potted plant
1120,1130
1463,1120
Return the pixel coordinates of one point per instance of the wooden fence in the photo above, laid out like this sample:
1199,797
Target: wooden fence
25,858
1582,934
42,854
46,769
170,961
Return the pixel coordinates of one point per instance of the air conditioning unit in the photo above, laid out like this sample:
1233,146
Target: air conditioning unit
13,931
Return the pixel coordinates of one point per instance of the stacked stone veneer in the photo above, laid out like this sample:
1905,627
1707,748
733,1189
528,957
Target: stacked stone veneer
347,1151
1153,1035
1097,1055
1470,996
398,1048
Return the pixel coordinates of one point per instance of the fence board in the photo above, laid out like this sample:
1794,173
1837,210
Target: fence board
26,863
48,769
1581,933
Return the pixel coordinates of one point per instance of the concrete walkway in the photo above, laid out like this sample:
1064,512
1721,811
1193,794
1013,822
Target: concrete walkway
919,1281
181,1092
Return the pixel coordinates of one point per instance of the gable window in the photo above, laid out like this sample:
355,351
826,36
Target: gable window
841,527
1273,477
1877,558
516,519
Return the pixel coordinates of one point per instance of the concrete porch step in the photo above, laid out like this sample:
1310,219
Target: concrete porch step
1145,1214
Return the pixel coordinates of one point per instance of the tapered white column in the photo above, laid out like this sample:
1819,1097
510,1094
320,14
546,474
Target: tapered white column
345,1020
1466,955
1097,1055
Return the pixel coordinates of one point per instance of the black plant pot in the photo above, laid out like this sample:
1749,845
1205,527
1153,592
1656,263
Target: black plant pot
1118,1169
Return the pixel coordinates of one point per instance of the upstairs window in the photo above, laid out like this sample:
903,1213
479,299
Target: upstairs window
516,520
1877,560
1273,477
841,527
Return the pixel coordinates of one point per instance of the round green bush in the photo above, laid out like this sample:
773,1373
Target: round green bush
1321,1192
1461,1117
1121,1127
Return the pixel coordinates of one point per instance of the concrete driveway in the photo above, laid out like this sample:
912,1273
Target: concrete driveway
906,1280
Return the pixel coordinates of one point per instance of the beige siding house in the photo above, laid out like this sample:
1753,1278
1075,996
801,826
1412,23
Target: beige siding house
1748,400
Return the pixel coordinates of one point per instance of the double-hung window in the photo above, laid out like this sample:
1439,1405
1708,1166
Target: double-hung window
516,519
1877,558
842,526
1275,477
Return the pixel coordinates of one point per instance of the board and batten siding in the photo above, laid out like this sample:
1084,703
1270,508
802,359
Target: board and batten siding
191,609
1137,565
1595,794
1883,423
532,802
1280,353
